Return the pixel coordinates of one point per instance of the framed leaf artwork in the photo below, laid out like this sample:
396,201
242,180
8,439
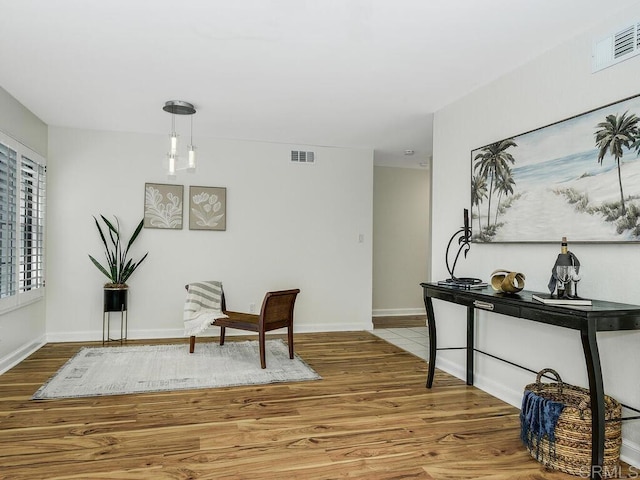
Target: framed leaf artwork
207,208
163,206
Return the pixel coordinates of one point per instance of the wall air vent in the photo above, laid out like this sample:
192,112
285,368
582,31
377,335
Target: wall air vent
616,47
298,156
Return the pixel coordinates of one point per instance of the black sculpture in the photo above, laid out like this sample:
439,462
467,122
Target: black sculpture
464,237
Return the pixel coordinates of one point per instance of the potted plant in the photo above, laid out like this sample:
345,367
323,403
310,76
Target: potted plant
118,267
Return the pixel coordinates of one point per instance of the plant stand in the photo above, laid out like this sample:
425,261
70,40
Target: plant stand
115,300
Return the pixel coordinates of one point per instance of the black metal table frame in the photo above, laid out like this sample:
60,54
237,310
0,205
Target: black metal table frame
601,316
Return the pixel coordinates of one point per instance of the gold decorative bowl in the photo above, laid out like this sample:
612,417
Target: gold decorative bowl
506,281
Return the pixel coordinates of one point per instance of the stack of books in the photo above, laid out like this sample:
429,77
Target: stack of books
548,299
463,285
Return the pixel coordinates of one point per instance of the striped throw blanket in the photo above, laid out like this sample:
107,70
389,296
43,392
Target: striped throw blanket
202,306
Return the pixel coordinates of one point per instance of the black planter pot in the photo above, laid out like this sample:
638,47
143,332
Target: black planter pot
115,299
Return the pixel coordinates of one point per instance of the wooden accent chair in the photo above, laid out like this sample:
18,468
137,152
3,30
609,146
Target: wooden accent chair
276,312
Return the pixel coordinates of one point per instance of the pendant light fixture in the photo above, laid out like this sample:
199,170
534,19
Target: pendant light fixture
179,107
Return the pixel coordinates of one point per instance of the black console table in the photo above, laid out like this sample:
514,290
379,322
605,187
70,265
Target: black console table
600,316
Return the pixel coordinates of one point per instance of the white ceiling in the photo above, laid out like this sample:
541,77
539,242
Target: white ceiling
352,73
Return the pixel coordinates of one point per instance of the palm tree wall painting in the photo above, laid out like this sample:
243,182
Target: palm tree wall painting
578,178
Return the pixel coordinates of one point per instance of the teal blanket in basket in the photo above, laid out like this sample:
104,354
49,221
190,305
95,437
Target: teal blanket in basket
538,418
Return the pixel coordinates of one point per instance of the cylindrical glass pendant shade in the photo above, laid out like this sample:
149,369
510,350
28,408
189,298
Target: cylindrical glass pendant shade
192,157
174,143
172,164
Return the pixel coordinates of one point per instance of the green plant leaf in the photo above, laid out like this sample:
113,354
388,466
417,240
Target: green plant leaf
135,234
131,267
100,267
109,224
104,240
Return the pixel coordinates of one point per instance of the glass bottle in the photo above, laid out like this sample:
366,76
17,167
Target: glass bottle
563,271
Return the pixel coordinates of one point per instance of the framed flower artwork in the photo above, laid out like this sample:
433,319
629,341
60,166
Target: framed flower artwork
163,206
207,208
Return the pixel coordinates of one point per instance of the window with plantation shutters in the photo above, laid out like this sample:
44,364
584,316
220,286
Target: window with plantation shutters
32,194
8,195
22,219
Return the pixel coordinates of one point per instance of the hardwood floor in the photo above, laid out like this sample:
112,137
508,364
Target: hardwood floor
399,321
370,417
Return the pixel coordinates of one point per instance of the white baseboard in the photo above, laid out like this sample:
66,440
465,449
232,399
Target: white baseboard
630,453
498,390
133,334
452,368
96,335
15,357
397,312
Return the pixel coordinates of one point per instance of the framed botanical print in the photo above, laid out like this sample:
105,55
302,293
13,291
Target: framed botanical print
163,206
207,208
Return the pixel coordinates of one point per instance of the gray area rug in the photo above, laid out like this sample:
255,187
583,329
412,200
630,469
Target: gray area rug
155,368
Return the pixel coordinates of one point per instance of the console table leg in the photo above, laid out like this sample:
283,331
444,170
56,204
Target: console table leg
470,343
596,388
431,324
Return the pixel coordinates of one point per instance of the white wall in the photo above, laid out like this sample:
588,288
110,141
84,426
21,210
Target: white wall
555,86
22,125
288,226
401,209
23,330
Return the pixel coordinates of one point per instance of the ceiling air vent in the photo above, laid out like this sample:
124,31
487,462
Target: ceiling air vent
616,47
298,156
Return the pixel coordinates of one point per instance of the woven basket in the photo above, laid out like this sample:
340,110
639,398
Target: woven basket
572,450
